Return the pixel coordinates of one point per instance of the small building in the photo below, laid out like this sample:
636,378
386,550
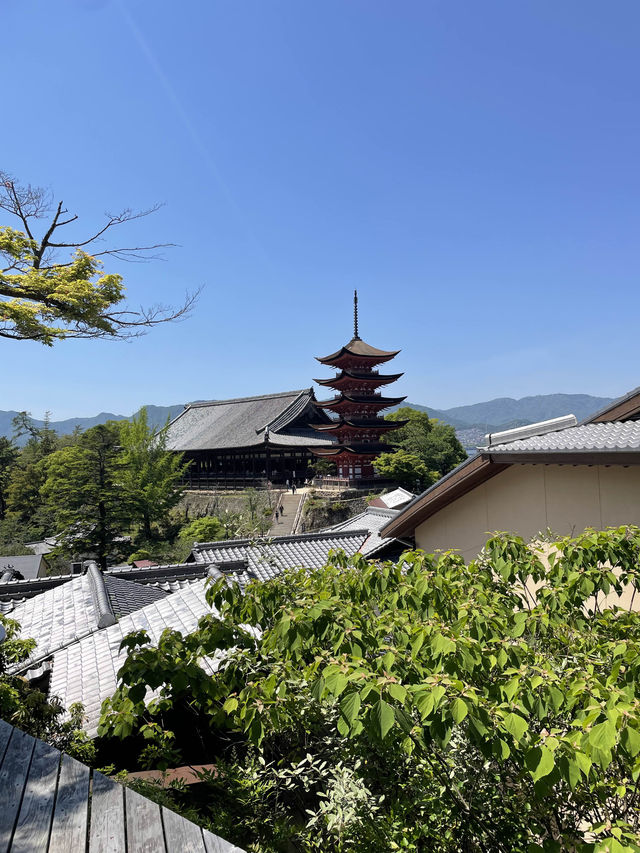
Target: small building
23,567
557,476
249,440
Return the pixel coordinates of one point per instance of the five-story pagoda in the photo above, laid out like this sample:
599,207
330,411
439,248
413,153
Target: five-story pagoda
358,427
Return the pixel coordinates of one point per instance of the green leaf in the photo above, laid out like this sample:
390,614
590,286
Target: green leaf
343,727
397,691
230,705
416,643
516,725
459,710
630,740
424,703
350,707
441,645
557,698
408,745
382,718
318,689
540,762
336,683
388,661
603,736
510,688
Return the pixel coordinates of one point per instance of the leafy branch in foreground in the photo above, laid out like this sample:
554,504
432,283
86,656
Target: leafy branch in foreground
473,712
44,298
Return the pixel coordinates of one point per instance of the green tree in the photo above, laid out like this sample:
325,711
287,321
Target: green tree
206,529
430,439
84,492
24,503
407,469
150,474
425,705
45,299
8,457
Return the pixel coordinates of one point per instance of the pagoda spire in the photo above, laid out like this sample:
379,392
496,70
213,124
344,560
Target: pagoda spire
356,336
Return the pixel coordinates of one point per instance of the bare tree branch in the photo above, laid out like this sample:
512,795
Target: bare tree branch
90,316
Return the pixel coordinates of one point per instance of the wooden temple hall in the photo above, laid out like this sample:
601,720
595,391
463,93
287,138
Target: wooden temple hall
277,437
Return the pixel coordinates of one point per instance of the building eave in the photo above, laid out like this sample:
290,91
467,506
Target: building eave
623,409
469,474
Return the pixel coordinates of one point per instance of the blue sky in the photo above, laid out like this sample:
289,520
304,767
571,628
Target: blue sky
471,167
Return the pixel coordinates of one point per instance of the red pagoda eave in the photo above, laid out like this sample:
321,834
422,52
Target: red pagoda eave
347,380
346,450
359,349
347,403
359,427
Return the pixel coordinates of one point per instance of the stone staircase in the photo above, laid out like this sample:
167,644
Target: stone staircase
285,525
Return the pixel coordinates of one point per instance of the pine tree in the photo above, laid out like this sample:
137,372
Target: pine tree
85,493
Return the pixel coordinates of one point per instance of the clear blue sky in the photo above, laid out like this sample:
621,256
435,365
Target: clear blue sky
471,167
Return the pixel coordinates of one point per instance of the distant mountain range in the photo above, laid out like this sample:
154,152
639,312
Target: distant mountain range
470,422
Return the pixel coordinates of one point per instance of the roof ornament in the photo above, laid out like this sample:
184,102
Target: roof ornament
356,336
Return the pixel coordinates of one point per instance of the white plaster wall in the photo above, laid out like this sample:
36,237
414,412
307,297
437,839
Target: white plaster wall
529,499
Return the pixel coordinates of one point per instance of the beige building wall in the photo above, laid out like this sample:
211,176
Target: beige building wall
529,499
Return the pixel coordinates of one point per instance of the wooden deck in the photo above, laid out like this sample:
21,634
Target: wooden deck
51,802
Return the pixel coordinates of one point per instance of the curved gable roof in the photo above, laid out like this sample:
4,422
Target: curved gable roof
357,346
241,422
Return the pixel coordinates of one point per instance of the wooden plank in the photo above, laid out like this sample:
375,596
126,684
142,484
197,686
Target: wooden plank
107,816
144,824
69,828
13,778
215,844
181,834
5,734
34,820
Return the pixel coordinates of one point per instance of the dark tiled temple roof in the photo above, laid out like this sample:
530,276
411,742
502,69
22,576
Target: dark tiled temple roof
226,424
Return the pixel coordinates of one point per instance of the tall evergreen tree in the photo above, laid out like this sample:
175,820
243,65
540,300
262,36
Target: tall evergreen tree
84,491
8,456
150,474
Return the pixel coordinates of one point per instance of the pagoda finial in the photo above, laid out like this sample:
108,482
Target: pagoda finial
355,316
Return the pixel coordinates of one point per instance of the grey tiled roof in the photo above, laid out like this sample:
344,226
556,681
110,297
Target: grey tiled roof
372,519
221,424
592,438
60,616
267,558
28,565
126,597
86,671
57,617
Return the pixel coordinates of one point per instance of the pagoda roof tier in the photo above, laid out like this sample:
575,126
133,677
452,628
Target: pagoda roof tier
359,424
351,402
347,378
356,351
372,449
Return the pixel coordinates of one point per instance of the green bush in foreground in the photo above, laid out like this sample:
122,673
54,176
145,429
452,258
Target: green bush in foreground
423,705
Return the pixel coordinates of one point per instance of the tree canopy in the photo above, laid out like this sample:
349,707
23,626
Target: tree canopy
85,493
52,286
434,442
407,469
150,475
422,705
